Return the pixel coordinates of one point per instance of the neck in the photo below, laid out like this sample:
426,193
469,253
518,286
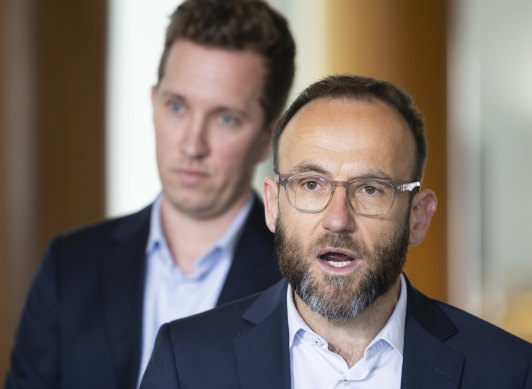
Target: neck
188,237
350,339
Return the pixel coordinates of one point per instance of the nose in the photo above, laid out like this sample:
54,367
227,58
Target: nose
194,141
339,217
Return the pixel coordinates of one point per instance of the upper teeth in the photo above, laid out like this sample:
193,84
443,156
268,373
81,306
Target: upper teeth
338,264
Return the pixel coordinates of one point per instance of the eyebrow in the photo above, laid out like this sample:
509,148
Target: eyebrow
171,95
309,168
224,109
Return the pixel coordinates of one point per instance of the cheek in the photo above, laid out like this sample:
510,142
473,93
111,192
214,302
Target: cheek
305,227
164,133
163,144
380,229
238,150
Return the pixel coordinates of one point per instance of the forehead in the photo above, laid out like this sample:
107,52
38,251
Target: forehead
347,139
213,74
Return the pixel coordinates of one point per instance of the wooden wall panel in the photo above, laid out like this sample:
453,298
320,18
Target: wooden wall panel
5,328
70,115
53,137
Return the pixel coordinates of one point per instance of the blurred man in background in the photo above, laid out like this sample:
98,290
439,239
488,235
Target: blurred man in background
102,291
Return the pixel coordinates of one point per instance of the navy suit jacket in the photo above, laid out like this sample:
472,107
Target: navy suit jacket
245,345
82,323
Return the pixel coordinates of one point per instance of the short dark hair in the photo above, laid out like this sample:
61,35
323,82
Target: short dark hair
360,88
239,25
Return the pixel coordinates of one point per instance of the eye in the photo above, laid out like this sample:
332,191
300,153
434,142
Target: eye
369,190
228,119
310,184
176,106
372,189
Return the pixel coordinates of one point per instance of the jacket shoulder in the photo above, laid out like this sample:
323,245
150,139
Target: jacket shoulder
475,329
104,229
483,355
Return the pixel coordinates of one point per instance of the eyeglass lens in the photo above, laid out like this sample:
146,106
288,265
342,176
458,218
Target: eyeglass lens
313,193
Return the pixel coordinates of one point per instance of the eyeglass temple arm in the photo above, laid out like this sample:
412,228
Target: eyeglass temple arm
409,187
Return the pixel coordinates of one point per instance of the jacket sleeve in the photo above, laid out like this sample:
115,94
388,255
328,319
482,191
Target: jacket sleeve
161,372
35,358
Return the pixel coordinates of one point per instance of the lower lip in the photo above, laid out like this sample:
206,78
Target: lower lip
338,270
190,177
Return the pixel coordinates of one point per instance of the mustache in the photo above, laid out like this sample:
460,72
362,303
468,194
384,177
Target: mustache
332,240
339,241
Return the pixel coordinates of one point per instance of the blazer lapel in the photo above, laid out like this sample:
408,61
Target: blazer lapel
262,353
123,294
427,361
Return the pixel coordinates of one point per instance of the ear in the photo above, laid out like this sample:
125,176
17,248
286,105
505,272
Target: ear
270,195
424,205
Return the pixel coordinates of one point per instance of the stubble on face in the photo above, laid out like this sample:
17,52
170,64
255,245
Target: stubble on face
340,298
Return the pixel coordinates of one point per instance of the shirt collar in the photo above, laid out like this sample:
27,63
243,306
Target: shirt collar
226,243
295,321
156,236
393,332
229,239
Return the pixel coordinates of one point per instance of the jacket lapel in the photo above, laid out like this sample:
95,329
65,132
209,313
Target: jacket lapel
123,271
427,361
262,353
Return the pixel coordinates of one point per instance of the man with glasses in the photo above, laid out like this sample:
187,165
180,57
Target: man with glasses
103,291
345,204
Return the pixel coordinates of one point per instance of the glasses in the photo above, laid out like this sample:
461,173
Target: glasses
367,196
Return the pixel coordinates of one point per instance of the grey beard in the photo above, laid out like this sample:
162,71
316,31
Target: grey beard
330,309
386,263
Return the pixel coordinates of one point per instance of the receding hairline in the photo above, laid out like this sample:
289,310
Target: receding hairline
363,99
366,99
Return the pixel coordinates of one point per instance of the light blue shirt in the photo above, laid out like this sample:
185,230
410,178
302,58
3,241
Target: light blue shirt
314,366
169,294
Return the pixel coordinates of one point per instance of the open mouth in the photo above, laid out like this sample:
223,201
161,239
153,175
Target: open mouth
336,259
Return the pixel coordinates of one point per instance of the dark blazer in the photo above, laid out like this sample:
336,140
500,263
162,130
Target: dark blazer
81,326
245,345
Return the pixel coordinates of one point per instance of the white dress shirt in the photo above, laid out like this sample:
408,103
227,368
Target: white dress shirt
314,366
169,294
